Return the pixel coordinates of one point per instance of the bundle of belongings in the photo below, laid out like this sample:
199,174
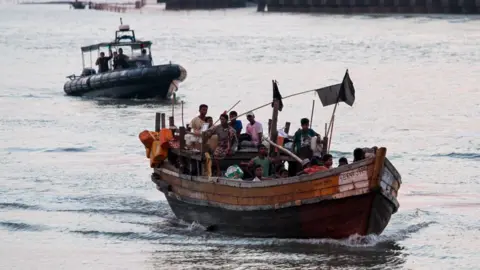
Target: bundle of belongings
156,144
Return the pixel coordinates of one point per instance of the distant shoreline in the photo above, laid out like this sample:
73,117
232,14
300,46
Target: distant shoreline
47,3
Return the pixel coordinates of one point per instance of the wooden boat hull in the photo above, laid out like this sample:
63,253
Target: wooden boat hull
354,199
363,214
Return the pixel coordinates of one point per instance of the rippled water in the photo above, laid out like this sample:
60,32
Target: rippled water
75,191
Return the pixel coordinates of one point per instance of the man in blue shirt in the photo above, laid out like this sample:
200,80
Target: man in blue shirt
236,124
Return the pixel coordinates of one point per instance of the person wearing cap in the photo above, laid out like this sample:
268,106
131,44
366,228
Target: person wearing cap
303,138
254,129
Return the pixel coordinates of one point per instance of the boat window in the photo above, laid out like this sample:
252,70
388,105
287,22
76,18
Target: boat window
127,50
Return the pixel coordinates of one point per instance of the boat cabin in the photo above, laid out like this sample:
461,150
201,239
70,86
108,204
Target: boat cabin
126,41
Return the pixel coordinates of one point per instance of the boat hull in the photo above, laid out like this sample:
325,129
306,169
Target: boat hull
358,198
363,214
78,5
140,83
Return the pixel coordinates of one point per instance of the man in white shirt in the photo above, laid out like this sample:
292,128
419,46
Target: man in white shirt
254,129
197,123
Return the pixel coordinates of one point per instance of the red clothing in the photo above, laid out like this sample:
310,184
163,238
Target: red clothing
314,169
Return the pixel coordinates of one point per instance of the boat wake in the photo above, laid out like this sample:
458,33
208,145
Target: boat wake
459,155
135,219
20,226
53,150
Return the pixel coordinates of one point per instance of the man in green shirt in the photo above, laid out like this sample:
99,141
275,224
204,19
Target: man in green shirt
302,140
262,160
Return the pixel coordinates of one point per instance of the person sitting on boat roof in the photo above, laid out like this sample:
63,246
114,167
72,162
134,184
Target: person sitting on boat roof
102,61
227,141
262,159
197,122
121,60
302,140
342,161
254,129
235,123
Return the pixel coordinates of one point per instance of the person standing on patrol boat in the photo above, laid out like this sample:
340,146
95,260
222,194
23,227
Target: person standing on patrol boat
102,61
120,61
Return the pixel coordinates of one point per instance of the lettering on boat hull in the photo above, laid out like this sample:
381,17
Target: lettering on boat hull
357,175
355,179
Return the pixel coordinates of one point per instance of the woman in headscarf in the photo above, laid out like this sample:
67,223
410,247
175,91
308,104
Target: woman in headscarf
227,140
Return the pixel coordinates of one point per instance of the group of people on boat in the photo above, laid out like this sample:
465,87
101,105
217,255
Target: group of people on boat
120,60
306,144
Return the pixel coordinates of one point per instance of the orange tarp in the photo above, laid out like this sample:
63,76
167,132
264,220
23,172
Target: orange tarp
156,144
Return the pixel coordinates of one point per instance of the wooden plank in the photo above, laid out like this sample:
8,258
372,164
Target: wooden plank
264,191
378,167
393,170
272,199
170,179
163,120
273,128
275,182
182,138
157,122
389,179
331,192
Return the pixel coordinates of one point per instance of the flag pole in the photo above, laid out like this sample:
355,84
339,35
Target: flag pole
330,125
231,108
311,115
332,119
270,103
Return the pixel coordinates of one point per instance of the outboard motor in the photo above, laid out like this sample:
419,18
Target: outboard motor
88,72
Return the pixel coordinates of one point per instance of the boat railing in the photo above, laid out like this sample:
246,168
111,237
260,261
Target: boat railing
72,77
196,150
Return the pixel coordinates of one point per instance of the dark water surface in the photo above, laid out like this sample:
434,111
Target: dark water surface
75,191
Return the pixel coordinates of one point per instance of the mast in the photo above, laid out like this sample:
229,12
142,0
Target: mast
273,127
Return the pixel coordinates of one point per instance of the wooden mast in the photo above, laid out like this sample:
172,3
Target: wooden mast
273,126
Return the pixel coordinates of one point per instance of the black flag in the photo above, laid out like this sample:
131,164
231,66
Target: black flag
277,95
333,94
347,91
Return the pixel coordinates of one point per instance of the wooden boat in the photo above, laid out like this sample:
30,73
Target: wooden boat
358,198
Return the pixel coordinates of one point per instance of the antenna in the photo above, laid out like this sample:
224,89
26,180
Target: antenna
121,23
